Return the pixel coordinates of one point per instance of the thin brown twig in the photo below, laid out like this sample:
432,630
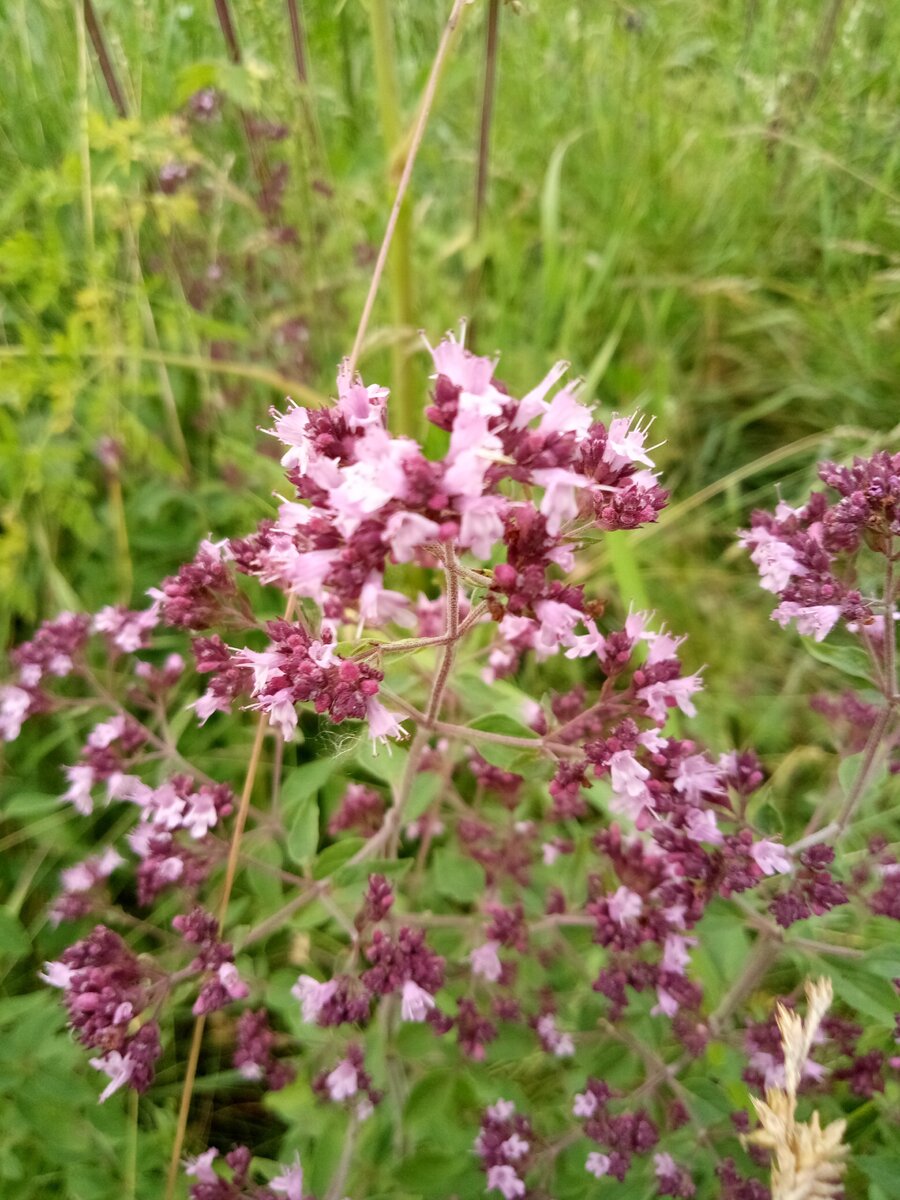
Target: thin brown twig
104,61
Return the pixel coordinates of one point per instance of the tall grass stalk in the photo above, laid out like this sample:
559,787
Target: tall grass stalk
400,262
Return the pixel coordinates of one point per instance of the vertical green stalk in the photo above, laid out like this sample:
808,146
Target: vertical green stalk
400,263
84,146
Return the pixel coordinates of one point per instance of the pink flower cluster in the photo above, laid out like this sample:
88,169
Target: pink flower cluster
804,555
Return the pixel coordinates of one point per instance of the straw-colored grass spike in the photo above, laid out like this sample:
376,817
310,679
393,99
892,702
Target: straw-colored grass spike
808,1161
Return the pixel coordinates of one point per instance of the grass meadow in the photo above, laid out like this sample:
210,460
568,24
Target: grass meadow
694,202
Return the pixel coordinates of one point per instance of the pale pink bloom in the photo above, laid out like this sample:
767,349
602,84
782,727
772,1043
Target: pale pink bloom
167,807
486,961
303,573
666,1004
625,444
123,1013
118,1067
57,974
564,557
533,403
663,1165
207,704
676,954
359,405
679,691
201,815
501,1110
504,1179
291,428
625,905
565,414
558,623
383,723
106,733
696,777
406,532
82,876
584,645
290,1183
775,560
771,857
293,516
127,630
232,982
282,713
549,853
481,523
313,996
14,704
364,1108
702,826
78,793
628,781
464,369
598,1164
472,449
415,1002
652,740
585,1104
816,621
514,1148
343,1081
379,605
662,647
559,502
200,1167
512,627
636,627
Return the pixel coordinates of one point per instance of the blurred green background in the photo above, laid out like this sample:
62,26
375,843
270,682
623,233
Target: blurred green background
695,203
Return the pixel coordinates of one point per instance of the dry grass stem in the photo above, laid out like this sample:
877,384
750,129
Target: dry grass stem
808,1160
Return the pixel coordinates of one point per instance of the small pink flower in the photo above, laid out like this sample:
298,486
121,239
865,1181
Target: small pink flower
585,1105
771,857
290,1183
598,1164
504,1179
486,961
313,996
118,1067
383,724
200,1167
625,905
415,1002
343,1081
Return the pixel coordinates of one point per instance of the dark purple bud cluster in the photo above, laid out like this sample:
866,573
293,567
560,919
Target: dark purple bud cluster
105,991
361,809
214,959
202,594
254,1050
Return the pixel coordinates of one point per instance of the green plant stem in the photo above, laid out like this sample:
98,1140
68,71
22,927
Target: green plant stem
447,40
400,262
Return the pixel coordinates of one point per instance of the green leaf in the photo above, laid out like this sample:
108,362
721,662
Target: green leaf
497,754
299,783
335,856
848,659
456,877
882,1169
303,834
13,938
867,994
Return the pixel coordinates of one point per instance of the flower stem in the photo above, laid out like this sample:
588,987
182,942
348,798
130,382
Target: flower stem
416,142
400,262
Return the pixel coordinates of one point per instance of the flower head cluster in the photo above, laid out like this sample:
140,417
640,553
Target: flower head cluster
804,554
